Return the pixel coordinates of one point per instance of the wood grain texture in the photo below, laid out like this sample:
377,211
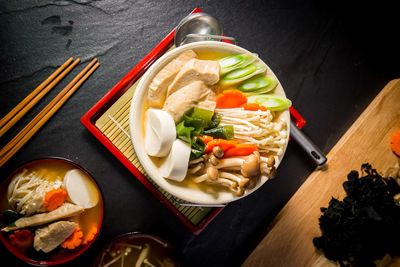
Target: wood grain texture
288,241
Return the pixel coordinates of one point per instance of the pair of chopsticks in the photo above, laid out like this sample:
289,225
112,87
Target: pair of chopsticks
25,105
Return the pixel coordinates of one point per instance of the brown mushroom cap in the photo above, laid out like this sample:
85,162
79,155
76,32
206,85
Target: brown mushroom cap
251,165
213,160
212,173
218,152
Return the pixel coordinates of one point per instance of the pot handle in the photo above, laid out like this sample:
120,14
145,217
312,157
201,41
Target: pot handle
307,145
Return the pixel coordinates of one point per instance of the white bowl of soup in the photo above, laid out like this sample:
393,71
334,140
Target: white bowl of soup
195,186
51,211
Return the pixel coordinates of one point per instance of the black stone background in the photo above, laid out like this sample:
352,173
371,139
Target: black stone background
332,58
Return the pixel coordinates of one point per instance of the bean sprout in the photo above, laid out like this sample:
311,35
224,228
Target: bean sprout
256,127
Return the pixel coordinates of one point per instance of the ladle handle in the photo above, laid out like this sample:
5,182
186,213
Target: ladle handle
211,36
307,145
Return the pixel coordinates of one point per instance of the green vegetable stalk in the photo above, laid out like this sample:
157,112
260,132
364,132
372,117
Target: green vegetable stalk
183,132
231,63
242,74
194,122
224,132
198,148
258,85
271,101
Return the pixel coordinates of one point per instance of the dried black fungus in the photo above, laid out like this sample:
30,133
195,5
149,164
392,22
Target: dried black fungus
365,226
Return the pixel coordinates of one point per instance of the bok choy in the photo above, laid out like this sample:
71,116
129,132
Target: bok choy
258,85
271,101
236,61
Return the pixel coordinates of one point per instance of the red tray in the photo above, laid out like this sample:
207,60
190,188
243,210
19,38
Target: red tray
90,118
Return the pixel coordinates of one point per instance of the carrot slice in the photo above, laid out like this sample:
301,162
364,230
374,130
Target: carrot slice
395,143
231,99
206,138
22,238
74,240
240,150
55,198
222,143
90,236
254,107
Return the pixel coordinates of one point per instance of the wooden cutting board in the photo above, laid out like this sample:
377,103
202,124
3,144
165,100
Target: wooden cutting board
288,241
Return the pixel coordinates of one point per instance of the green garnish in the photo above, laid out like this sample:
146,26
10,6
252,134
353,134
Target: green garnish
271,101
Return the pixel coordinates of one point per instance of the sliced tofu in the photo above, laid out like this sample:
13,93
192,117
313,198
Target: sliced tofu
158,87
64,211
51,236
206,71
192,95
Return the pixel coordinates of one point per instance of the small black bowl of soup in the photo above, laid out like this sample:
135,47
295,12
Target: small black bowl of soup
137,249
51,211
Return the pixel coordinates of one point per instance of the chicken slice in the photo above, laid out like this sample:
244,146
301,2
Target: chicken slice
51,236
64,211
158,86
195,69
192,95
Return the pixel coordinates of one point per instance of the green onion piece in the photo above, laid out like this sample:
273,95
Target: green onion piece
193,122
224,132
197,131
234,62
270,101
183,132
201,117
216,119
258,85
198,148
197,117
9,217
242,74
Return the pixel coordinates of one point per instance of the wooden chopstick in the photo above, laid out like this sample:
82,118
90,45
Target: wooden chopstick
14,145
35,120
28,102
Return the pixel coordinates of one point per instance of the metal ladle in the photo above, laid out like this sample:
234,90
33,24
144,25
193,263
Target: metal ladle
199,27
202,27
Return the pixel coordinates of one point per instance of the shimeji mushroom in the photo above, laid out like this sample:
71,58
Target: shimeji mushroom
236,173
233,181
250,166
196,166
267,167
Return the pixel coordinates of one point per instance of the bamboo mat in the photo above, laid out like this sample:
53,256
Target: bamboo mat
114,124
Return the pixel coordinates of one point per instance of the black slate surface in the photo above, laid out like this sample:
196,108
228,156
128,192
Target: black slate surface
332,58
